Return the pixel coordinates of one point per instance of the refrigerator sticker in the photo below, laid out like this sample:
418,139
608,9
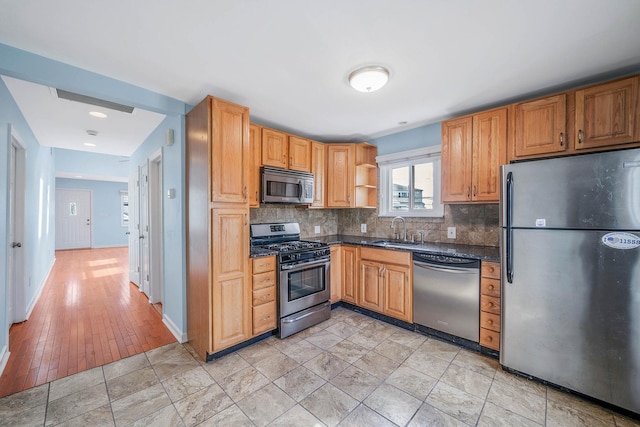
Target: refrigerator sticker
541,222
621,240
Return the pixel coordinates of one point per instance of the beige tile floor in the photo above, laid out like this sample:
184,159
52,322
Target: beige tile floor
350,371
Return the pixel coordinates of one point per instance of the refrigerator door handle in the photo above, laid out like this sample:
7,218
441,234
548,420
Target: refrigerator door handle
509,231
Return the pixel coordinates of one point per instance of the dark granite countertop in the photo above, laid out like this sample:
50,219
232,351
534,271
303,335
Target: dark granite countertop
487,253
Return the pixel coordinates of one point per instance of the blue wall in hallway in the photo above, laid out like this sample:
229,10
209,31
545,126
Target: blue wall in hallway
73,162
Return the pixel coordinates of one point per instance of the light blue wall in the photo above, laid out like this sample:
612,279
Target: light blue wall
105,200
85,163
174,262
409,140
28,66
39,237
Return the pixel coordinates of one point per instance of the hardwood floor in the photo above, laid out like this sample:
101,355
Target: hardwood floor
88,315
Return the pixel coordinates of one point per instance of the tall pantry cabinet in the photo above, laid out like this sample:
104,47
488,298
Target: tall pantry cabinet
218,285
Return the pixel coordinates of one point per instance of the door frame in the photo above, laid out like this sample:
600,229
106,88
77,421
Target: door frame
134,228
156,246
17,258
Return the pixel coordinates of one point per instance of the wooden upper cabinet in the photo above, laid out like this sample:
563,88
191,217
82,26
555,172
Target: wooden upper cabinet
318,169
255,154
340,175
607,114
489,153
539,126
299,154
229,152
275,148
456,159
473,149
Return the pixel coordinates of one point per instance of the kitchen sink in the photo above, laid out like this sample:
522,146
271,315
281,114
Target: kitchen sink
395,243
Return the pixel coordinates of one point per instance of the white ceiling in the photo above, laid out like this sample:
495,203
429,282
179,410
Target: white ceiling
288,60
61,123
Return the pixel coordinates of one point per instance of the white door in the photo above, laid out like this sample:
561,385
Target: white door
145,254
73,219
15,262
134,230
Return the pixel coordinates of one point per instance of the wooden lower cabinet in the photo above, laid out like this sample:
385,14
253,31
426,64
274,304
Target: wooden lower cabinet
335,274
349,256
231,287
384,283
264,305
490,305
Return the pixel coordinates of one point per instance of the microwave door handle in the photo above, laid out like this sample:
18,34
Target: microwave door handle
300,190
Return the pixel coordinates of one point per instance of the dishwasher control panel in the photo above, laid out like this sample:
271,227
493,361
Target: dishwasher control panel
446,260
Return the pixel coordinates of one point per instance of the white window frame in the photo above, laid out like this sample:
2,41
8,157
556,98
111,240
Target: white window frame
124,208
409,158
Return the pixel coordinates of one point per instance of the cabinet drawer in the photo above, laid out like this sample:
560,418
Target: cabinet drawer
386,256
264,295
264,280
262,264
490,287
489,339
490,304
490,269
264,318
490,321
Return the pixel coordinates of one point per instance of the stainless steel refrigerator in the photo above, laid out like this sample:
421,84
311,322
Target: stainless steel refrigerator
571,273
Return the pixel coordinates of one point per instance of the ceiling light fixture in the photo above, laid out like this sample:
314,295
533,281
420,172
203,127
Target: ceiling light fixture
89,144
98,114
369,78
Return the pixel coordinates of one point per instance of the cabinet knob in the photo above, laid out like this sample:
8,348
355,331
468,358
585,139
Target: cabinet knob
489,338
490,322
490,287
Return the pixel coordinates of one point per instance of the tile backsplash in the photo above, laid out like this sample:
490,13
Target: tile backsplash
475,224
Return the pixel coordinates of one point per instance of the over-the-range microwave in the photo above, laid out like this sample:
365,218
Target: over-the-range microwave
285,186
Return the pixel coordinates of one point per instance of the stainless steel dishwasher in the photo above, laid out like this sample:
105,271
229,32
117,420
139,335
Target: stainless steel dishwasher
446,294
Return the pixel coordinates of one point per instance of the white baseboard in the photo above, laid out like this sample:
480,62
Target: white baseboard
109,246
180,336
4,358
34,300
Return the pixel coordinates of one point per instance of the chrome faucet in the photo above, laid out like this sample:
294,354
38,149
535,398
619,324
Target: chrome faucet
404,227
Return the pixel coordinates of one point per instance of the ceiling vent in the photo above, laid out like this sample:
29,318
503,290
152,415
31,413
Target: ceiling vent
63,94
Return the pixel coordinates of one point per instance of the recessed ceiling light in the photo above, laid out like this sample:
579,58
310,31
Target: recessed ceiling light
369,79
98,114
78,176
89,144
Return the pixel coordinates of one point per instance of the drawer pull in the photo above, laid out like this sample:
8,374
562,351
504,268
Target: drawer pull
264,318
265,280
265,296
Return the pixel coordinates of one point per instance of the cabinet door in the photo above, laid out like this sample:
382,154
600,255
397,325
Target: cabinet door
255,153
274,148
489,153
607,114
456,160
229,152
371,284
318,169
540,126
340,175
335,273
349,261
398,300
231,286
299,154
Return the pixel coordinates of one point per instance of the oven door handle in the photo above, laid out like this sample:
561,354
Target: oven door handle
296,319
304,265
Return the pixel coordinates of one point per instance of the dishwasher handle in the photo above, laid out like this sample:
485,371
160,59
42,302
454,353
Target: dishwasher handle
451,269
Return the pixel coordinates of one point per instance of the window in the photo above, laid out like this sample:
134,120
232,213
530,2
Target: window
410,183
124,208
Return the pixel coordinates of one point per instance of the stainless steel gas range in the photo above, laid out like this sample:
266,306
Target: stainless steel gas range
303,275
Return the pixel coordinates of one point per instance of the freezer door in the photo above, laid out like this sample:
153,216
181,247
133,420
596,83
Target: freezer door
571,316
593,191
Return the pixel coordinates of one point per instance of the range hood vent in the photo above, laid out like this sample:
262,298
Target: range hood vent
63,94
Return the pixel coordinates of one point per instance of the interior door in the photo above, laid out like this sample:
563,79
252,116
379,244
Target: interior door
16,311
73,219
145,250
134,230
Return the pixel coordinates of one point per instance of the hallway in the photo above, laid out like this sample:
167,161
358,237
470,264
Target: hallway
88,315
